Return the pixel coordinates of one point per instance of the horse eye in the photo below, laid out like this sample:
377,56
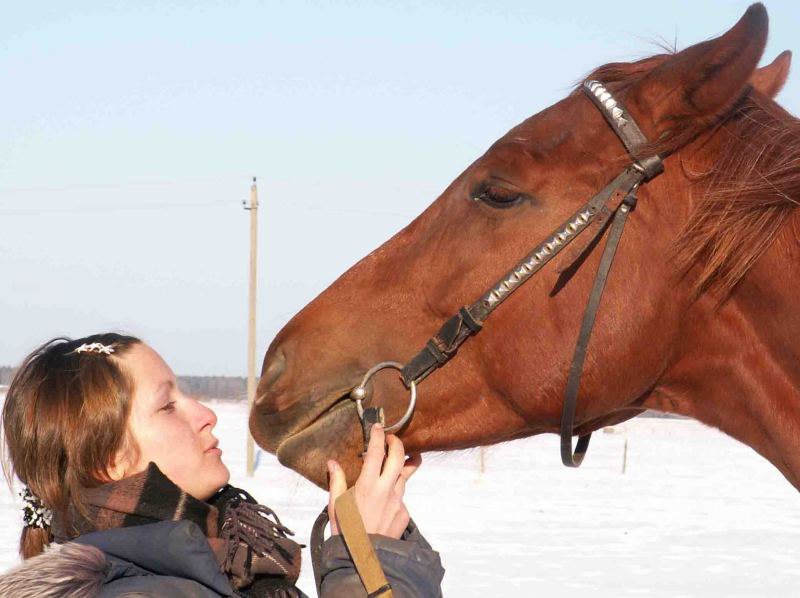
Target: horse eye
497,197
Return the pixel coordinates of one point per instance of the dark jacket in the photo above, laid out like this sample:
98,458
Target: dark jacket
174,559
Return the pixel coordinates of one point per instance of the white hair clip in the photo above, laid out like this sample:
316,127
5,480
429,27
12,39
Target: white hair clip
95,348
34,513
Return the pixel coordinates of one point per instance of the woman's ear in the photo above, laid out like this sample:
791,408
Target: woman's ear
704,80
125,460
120,465
770,79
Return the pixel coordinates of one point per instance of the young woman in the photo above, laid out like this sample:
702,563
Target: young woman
126,492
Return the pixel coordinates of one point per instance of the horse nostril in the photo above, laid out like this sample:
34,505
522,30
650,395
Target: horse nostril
273,371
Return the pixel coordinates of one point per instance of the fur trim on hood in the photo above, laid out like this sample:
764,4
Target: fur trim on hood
72,569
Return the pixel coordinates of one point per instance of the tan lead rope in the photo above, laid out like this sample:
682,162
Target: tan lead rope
351,526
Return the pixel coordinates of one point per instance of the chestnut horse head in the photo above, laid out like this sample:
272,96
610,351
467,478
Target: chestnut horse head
699,315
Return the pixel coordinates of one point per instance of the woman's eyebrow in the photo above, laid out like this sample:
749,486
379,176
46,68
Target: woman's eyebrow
166,384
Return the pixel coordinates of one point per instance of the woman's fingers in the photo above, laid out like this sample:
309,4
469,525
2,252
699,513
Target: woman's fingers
394,459
337,485
411,466
373,459
400,487
380,486
399,523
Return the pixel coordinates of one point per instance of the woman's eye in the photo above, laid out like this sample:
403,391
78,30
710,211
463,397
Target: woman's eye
498,197
169,407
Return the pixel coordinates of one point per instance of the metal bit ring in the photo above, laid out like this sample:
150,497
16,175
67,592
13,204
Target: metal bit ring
359,393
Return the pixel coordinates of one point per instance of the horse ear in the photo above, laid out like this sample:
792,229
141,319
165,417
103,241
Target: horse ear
770,79
703,80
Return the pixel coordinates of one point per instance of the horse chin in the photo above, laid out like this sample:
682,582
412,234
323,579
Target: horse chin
336,434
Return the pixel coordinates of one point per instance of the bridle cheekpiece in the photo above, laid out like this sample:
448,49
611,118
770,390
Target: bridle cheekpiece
612,204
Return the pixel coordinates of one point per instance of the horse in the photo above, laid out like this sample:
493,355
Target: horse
699,317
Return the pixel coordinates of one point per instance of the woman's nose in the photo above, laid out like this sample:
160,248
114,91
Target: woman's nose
205,415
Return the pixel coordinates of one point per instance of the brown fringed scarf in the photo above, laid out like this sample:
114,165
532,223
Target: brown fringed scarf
251,549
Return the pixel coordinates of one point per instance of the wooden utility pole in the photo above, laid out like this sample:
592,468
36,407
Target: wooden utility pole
251,324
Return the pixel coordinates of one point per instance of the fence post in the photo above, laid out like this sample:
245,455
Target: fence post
625,456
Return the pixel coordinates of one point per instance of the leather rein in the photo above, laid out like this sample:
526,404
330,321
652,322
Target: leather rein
612,204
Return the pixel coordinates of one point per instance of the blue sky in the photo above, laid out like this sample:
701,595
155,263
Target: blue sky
130,132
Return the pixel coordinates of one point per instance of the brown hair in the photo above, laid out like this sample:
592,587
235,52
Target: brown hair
64,419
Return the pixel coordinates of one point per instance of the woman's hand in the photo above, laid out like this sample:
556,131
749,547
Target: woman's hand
378,491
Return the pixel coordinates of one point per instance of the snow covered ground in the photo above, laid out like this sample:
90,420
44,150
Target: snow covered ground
694,514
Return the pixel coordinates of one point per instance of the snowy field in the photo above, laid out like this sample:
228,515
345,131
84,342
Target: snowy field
694,514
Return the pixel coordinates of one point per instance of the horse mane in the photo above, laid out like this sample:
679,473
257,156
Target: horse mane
748,189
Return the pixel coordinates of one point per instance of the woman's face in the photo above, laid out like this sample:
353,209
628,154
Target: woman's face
170,428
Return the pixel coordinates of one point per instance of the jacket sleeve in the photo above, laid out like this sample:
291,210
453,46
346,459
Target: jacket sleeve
412,567
156,586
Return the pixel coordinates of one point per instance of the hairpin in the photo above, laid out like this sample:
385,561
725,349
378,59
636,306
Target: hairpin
34,513
94,348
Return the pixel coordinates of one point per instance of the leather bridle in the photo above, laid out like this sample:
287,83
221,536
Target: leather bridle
611,204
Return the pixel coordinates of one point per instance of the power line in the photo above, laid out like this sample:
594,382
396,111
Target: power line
108,209
172,206
124,185
357,211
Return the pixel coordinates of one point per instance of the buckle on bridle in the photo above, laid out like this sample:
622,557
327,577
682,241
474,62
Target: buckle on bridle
650,167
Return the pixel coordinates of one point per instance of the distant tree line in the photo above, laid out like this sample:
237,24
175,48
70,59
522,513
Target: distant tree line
232,388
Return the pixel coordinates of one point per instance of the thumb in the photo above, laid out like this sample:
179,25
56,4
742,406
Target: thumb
337,485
